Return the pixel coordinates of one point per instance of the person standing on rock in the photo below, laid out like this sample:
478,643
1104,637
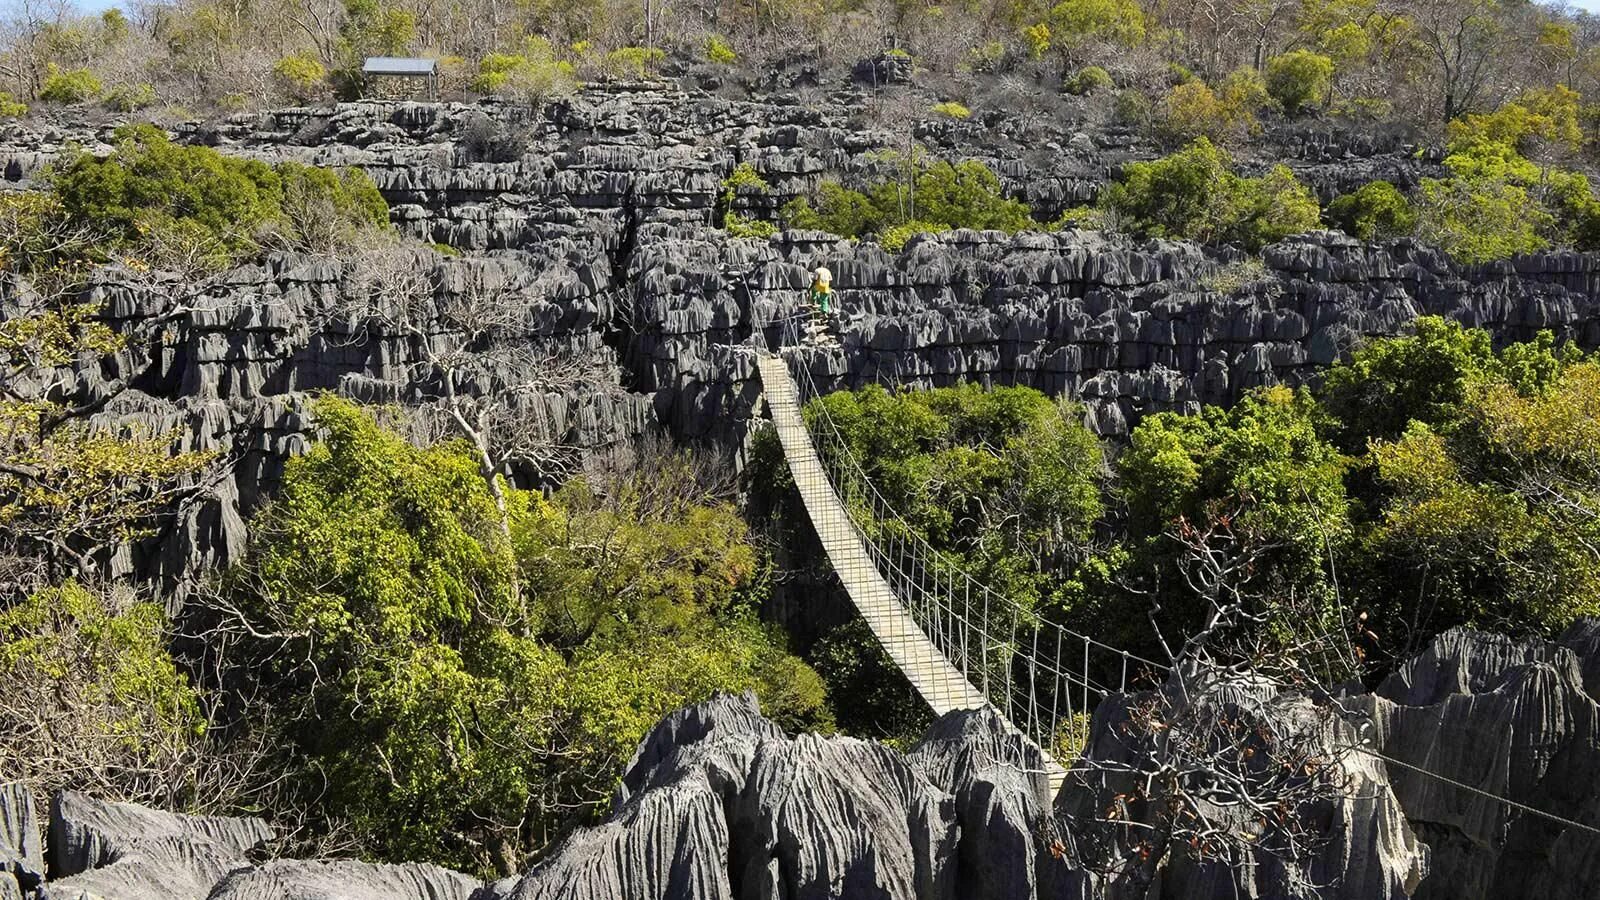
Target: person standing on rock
821,297
822,291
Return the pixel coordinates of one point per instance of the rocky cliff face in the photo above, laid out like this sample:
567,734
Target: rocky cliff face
719,803
600,208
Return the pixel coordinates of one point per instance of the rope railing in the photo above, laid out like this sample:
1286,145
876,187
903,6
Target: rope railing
1042,676
1039,674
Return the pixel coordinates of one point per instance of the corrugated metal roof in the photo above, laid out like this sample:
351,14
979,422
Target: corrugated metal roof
399,65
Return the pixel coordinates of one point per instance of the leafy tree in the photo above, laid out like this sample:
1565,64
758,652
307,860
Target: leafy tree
1425,377
1005,480
1299,79
151,193
1194,194
1241,507
1074,22
1499,556
90,700
445,718
301,74
1478,220
1192,111
1374,212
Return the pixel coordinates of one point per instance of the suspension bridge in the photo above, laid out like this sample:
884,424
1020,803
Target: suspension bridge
960,644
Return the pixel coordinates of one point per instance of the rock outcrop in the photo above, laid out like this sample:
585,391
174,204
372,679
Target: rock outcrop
601,210
1488,717
21,850
120,851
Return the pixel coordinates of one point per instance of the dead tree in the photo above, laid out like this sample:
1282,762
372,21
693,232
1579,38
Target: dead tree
1237,759
476,360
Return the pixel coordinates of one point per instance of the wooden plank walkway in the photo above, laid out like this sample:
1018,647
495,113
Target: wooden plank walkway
940,684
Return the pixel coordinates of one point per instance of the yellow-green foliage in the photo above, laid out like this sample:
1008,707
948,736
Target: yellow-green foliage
10,108
720,52
72,86
1299,79
964,195
1087,80
152,195
634,63
745,178
1075,22
986,58
92,698
895,237
1195,194
743,227
535,76
951,110
1037,38
301,74
1192,110
131,98
1377,211
454,712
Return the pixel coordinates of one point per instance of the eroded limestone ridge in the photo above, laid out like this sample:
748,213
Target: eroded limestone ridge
719,803
601,211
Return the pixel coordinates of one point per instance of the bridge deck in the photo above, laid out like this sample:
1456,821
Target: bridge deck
940,684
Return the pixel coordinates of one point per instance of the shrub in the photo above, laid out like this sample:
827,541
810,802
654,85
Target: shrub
951,110
1244,92
131,99
300,74
720,52
1299,79
987,58
1234,276
534,77
636,63
744,177
1132,108
152,193
322,210
1269,208
1087,80
1191,110
10,107
1037,37
1375,212
1194,194
961,195
1480,219
93,701
72,86
895,237
742,227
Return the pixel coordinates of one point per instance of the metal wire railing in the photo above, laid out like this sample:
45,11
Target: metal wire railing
1042,676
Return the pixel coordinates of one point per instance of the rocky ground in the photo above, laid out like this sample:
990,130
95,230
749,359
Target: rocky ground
720,803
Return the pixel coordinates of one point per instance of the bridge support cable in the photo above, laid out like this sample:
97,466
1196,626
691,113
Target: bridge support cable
959,643
942,628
